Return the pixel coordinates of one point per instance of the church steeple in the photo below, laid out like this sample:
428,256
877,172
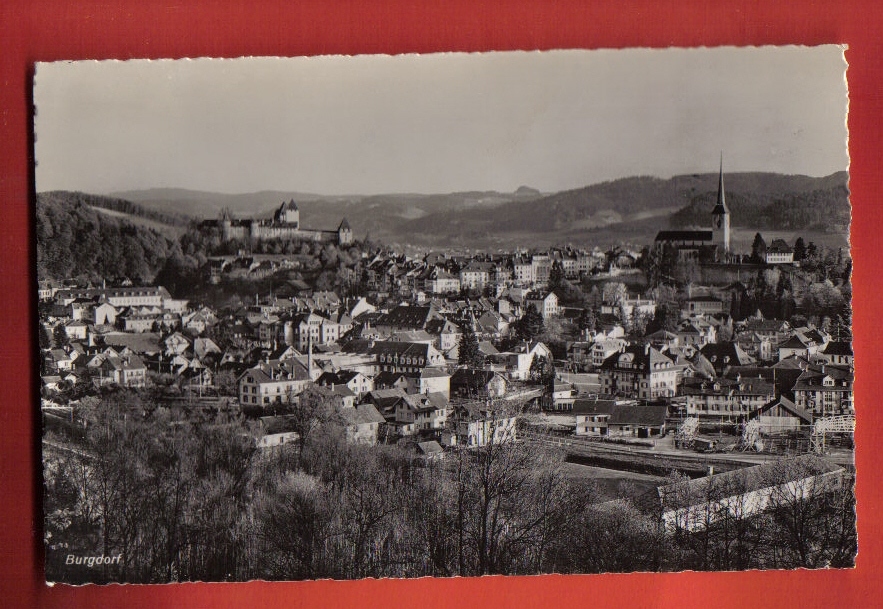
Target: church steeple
721,206
720,215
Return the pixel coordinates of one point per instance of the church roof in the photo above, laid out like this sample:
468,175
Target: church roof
684,235
344,225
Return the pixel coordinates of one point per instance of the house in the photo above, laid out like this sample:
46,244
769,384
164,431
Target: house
423,411
362,424
357,382
545,303
562,397
696,332
476,275
430,380
128,370
270,382
522,270
604,348
176,344
592,416
468,383
77,330
395,356
439,281
310,328
724,355
203,347
60,359
632,420
405,317
663,339
342,397
50,382
391,380
693,505
639,372
779,252
430,450
723,398
117,297
446,336
475,424
805,342
386,401
104,314
276,431
781,415
839,352
825,390
703,305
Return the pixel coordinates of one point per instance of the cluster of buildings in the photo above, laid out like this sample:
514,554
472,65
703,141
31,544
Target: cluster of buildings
391,359
439,274
392,370
712,369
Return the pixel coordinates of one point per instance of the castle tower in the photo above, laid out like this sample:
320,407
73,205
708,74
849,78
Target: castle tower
288,213
226,222
344,233
720,216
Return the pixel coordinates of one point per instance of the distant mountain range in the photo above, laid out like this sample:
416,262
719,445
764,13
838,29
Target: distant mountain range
623,209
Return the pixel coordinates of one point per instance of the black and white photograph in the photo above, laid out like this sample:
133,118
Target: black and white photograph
444,315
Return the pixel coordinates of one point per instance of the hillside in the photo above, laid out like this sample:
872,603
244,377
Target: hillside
777,201
635,207
379,215
75,239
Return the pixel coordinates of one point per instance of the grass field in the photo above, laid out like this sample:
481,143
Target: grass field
614,484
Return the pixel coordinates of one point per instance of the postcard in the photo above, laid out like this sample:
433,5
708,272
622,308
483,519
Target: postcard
445,315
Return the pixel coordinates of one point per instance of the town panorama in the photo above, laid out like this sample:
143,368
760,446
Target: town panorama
253,398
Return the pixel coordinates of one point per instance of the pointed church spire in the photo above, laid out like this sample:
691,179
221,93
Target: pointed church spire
720,215
721,205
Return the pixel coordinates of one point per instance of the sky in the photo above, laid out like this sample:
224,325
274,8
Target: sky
437,123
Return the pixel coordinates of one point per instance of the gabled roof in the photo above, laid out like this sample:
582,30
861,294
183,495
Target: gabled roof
408,317
643,358
430,448
786,405
779,246
638,415
401,349
593,407
746,386
341,377
684,235
838,347
472,378
388,378
726,353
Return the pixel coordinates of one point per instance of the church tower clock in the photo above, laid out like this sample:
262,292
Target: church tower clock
720,217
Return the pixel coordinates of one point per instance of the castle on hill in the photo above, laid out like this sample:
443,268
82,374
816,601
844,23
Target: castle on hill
284,225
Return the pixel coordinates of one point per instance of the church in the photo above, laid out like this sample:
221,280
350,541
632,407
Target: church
703,245
284,225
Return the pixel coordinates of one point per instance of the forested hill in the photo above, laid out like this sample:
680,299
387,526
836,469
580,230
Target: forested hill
822,206
74,239
778,201
122,206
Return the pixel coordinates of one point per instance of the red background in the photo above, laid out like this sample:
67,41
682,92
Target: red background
46,30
